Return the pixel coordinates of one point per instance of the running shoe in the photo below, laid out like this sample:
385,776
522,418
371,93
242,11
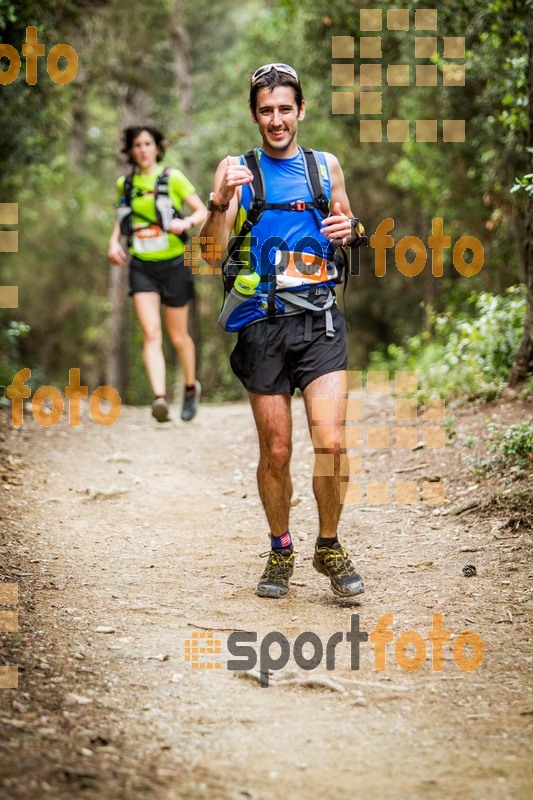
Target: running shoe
160,409
274,582
191,401
336,564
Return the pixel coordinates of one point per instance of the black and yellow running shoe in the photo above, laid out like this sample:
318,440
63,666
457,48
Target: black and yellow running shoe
336,564
274,582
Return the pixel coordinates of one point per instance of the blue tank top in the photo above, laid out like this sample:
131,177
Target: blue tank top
280,232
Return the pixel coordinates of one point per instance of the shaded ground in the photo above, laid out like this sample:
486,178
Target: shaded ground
150,531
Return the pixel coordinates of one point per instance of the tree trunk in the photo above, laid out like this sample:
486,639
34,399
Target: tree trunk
134,105
181,67
118,355
78,130
523,363
133,110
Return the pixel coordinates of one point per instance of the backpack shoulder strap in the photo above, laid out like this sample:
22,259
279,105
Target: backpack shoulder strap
161,182
257,206
127,190
314,179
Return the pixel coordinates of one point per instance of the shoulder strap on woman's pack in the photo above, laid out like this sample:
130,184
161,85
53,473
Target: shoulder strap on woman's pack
127,189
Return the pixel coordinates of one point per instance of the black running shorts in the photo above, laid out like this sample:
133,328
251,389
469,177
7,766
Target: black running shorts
275,359
172,280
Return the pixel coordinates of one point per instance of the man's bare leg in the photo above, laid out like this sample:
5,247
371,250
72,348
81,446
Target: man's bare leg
274,427
325,420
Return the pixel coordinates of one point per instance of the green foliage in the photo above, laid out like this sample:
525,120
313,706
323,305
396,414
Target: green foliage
32,118
469,352
513,446
526,393
8,13
450,427
11,334
16,639
525,183
59,156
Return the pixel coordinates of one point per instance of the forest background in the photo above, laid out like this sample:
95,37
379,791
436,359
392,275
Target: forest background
185,67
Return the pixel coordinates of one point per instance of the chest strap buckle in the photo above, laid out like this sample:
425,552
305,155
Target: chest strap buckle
298,205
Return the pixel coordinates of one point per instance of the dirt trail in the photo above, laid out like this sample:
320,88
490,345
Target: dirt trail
124,715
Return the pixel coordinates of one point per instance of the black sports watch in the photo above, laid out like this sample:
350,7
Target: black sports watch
213,205
357,236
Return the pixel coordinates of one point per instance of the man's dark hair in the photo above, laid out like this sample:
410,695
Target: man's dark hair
270,81
130,134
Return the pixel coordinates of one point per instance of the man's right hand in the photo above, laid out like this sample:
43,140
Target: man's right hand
217,228
234,174
116,254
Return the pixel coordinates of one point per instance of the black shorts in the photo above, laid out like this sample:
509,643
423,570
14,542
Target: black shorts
275,359
171,279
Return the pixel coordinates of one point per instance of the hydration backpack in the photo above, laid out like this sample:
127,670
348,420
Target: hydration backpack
164,210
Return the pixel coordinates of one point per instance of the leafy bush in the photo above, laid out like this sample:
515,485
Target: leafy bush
10,336
514,446
468,352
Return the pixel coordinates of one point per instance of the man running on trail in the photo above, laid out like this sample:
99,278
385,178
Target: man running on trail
291,333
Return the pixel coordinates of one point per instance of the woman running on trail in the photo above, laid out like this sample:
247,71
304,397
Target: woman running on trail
150,202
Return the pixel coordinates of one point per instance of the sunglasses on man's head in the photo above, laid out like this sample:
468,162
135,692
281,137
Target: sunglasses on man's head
266,68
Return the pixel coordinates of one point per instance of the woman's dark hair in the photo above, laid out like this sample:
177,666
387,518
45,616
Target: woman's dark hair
130,134
270,81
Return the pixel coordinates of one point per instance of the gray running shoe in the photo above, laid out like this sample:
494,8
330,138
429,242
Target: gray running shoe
274,582
191,402
160,409
336,564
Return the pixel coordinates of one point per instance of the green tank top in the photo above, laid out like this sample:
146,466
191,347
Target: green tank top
150,242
